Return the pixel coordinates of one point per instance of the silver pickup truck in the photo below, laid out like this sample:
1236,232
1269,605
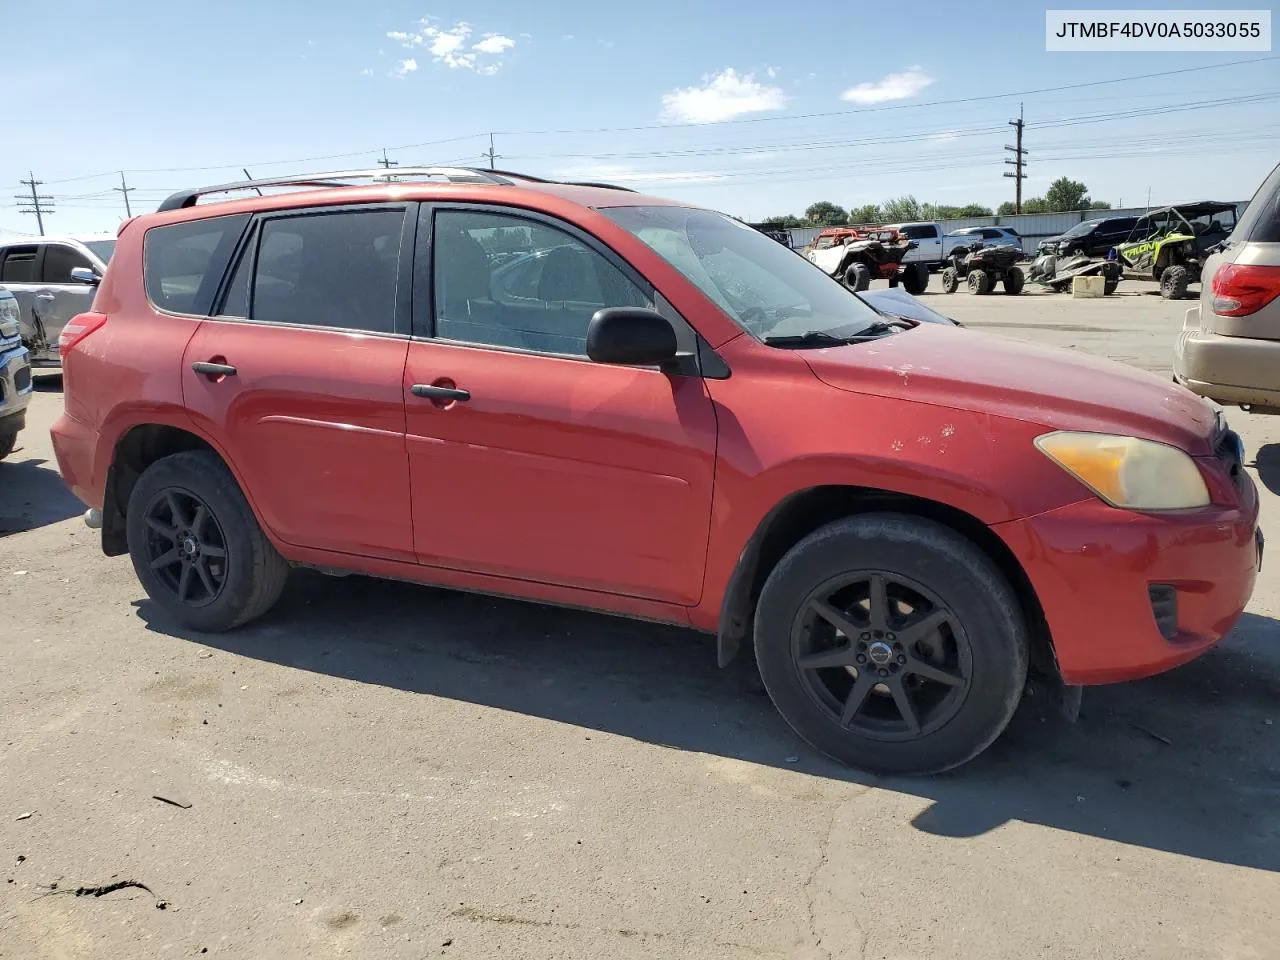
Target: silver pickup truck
48,276
15,375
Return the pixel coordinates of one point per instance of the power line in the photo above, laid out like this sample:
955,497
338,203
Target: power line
1019,159
40,204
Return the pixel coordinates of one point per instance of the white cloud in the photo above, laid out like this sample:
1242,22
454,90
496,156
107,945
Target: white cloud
620,173
724,96
367,72
494,43
771,72
895,86
406,67
566,36
944,135
448,46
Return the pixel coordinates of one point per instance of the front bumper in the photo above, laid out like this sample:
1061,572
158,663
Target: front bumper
15,386
1227,370
1094,568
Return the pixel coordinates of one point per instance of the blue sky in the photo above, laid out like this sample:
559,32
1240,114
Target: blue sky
634,93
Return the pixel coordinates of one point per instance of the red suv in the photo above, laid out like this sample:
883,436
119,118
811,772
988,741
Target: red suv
575,394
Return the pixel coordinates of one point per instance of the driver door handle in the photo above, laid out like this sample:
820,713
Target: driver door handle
433,392
214,369
46,296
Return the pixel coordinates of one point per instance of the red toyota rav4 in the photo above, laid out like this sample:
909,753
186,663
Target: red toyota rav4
575,394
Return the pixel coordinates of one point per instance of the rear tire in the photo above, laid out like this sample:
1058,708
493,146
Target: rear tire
1014,281
915,278
858,276
1173,282
950,280
196,546
920,692
979,282
8,441
1109,286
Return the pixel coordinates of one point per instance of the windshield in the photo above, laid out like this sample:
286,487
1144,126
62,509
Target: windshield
1080,229
768,290
102,249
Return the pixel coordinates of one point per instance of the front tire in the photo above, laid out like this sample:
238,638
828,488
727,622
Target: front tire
1014,281
979,282
915,278
8,441
858,276
891,643
950,280
196,546
1173,282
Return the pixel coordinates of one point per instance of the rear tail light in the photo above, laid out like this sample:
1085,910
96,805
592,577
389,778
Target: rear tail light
77,328
1242,289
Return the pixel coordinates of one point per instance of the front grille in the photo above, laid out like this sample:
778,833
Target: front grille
1164,607
22,379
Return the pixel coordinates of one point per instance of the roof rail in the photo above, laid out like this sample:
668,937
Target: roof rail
593,183
342,178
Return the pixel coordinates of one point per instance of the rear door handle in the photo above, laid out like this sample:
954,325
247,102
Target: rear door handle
433,392
46,296
214,369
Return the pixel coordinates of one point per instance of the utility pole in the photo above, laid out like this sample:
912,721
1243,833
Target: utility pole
125,189
40,204
387,164
1018,161
491,155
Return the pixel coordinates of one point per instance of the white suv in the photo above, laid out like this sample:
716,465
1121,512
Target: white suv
53,278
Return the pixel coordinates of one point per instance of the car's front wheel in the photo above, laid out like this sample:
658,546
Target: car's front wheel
8,442
196,546
891,643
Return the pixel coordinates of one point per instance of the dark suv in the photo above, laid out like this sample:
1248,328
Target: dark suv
1091,237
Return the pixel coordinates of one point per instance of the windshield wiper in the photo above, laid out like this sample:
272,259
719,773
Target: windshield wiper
820,338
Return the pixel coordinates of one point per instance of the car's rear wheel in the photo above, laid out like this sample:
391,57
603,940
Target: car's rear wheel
1014,280
950,280
7,443
979,282
196,546
891,643
1173,282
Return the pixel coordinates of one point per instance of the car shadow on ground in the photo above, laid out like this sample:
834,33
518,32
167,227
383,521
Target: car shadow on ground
1267,462
32,494
1185,763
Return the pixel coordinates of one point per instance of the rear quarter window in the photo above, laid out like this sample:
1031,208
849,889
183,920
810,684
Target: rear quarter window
1261,220
183,263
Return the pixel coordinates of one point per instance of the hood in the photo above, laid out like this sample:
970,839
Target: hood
1059,389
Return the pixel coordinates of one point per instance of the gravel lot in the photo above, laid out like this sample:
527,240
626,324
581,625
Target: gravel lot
384,770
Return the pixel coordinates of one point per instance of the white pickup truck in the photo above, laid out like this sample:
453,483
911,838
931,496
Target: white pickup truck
934,247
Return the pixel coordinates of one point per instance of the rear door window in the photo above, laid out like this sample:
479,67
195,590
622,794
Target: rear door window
336,269
18,264
59,261
183,263
1261,220
921,232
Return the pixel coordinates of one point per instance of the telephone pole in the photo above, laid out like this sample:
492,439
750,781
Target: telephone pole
1018,161
125,189
491,155
387,164
40,203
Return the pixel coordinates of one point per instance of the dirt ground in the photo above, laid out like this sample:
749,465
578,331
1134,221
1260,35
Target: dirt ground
384,770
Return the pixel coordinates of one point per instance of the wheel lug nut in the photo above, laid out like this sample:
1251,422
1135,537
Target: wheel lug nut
861,658
901,660
865,637
890,637
884,672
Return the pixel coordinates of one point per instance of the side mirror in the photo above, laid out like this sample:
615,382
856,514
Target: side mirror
631,336
85,275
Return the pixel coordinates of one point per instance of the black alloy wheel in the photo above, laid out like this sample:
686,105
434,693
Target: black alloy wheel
882,655
186,547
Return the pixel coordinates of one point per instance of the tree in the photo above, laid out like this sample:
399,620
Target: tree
826,213
900,209
1099,205
869,213
785,220
1036,205
1007,209
1067,194
973,210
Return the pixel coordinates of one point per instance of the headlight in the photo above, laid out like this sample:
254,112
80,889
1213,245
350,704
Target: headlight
1127,472
9,311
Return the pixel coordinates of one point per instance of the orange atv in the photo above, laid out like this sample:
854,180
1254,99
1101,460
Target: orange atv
858,255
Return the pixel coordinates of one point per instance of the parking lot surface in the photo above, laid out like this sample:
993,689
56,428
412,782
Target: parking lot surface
385,770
